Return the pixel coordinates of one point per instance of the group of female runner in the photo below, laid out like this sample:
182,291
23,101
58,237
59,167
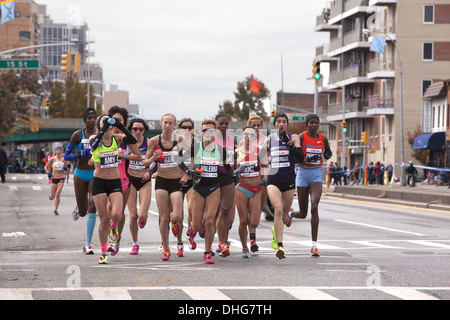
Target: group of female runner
212,171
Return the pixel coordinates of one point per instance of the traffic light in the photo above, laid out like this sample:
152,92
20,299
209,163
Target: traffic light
273,113
47,104
66,61
364,137
344,126
76,62
316,71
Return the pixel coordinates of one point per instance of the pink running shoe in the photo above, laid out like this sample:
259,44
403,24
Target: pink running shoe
208,259
134,250
142,224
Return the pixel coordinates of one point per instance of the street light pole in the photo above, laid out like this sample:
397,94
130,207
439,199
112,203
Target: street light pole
402,140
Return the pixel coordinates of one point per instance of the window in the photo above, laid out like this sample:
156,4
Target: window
425,85
427,52
24,35
428,13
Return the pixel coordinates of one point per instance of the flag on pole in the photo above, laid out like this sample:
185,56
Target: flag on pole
254,87
7,10
378,43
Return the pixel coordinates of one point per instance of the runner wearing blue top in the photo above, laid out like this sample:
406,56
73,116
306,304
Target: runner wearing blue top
84,172
284,150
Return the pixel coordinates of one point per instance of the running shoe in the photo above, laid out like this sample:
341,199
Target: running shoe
180,250
315,252
192,244
56,213
253,246
280,253
134,250
75,214
225,250
245,253
203,231
161,248
114,248
208,259
274,239
103,258
114,234
142,224
219,247
191,233
174,226
88,250
289,218
166,255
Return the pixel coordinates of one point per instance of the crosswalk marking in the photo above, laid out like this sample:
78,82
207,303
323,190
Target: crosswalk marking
217,293
430,244
308,294
205,293
373,244
407,294
109,294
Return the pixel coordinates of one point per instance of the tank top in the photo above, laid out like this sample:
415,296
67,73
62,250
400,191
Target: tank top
139,165
108,157
248,160
58,165
84,143
171,154
209,162
282,161
312,149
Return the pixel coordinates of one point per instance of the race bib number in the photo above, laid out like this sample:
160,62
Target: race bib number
248,169
85,144
279,158
108,159
313,155
209,167
169,162
137,165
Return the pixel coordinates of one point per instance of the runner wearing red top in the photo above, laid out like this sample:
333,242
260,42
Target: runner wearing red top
309,174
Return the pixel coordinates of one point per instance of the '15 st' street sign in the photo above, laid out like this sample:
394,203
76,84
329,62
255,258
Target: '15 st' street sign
19,64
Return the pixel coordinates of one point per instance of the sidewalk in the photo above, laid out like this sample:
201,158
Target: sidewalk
422,195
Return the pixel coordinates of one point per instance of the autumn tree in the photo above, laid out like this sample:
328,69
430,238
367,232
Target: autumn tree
16,90
70,100
246,102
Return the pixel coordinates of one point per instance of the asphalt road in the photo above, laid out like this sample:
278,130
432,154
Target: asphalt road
368,251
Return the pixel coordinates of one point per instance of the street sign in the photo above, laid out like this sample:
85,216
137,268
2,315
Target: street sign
298,118
19,64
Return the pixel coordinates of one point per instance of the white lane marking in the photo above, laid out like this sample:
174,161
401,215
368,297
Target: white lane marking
378,227
205,293
109,293
308,294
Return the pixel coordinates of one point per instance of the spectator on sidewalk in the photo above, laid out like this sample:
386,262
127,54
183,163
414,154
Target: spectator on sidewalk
3,163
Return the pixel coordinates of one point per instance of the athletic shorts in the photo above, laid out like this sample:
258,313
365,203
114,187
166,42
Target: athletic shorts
107,186
58,180
185,187
86,175
248,190
137,182
282,185
205,191
306,176
170,185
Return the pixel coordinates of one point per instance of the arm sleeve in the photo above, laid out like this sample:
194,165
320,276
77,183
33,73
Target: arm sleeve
68,156
129,137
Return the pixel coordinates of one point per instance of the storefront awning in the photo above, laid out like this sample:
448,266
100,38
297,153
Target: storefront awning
433,141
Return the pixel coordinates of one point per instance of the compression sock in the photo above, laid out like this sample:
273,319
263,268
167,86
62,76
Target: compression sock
90,225
104,247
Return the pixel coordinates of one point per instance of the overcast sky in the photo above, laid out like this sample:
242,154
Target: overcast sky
186,56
